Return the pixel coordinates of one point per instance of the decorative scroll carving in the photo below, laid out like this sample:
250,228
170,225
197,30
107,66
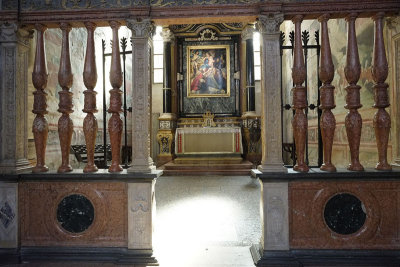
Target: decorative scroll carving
165,139
90,79
379,74
167,35
115,122
208,35
140,204
299,122
40,127
270,24
65,79
352,72
327,97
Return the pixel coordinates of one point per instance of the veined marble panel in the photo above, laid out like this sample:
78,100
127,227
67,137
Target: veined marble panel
8,215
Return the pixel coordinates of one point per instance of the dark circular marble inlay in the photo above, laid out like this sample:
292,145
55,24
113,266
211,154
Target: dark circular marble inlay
344,214
75,213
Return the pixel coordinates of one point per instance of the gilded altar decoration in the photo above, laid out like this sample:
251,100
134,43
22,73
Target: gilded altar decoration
208,120
208,71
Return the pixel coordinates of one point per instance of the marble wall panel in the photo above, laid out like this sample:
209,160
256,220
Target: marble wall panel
140,214
38,208
380,202
8,215
275,214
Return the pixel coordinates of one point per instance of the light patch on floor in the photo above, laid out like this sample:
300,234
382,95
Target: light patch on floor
206,221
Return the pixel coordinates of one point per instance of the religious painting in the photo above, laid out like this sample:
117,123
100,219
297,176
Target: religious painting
208,71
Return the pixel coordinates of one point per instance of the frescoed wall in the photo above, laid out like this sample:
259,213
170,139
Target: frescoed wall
77,38
338,40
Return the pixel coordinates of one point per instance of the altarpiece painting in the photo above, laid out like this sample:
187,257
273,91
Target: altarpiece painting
208,71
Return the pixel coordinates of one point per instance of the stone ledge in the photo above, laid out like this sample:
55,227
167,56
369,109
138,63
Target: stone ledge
324,257
315,174
80,176
114,255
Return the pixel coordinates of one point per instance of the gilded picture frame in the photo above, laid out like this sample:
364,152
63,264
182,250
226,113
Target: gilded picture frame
208,71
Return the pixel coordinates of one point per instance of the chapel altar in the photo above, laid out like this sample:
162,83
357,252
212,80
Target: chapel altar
209,103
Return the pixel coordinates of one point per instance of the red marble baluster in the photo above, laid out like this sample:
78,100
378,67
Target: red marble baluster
90,79
352,72
115,122
65,79
40,127
380,73
299,121
327,97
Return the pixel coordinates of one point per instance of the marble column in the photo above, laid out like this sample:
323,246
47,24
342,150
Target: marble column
167,120
352,71
327,95
14,49
142,32
299,122
271,123
247,38
115,124
40,126
380,72
65,79
90,126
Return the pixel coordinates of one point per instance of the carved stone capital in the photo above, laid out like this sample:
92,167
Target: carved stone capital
141,29
9,32
247,32
269,24
167,35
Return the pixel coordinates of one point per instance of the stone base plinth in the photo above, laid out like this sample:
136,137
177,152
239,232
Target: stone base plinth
321,218
378,258
79,217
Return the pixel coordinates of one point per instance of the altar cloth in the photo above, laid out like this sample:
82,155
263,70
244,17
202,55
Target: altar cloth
208,140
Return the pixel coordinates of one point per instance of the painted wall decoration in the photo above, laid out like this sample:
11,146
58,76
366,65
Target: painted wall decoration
338,40
97,4
208,71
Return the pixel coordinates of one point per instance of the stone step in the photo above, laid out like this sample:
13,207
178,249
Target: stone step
174,166
230,172
243,168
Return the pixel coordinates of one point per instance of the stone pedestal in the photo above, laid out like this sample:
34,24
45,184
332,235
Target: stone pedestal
320,218
142,32
271,123
14,48
76,216
252,137
166,137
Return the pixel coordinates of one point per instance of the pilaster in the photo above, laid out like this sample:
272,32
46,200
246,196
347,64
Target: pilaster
9,215
14,48
141,206
275,216
142,32
271,123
